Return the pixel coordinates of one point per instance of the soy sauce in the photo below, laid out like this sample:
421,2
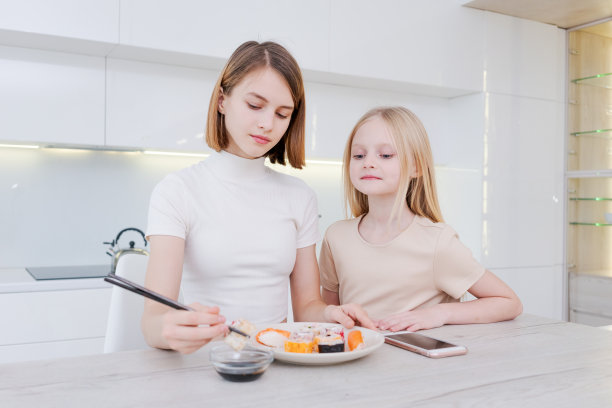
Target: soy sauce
238,372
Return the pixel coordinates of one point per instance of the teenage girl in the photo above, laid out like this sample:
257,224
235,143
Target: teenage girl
396,257
230,232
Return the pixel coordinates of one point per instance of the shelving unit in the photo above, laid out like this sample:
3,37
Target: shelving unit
589,177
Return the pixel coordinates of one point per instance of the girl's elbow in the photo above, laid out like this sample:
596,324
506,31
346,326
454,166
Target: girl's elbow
517,308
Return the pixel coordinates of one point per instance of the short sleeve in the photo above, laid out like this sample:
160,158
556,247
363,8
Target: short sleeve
327,268
168,209
308,228
455,269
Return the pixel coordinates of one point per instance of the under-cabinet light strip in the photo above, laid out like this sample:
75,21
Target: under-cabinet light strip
162,153
20,146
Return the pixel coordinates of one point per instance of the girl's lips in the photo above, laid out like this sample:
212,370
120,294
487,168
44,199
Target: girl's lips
370,178
260,139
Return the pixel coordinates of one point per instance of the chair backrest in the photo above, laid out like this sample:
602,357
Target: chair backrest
123,325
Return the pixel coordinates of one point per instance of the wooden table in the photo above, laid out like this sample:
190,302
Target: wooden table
528,362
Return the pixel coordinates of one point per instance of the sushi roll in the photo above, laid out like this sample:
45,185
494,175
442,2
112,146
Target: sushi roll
300,342
355,340
273,337
235,340
312,329
332,343
335,330
303,336
298,346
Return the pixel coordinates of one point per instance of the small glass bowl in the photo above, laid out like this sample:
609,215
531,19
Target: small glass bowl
247,364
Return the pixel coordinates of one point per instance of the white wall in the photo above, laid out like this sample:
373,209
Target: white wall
488,87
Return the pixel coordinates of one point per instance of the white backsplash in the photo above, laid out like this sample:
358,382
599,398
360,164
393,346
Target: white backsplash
57,206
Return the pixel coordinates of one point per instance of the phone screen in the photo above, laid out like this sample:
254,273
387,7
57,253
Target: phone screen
421,341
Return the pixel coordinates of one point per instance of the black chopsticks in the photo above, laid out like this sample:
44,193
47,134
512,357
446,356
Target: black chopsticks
141,290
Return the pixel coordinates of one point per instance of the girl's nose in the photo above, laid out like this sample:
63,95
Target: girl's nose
266,121
368,162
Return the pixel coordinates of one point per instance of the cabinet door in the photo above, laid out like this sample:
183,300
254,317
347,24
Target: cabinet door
157,106
524,57
51,97
216,28
36,317
96,20
411,41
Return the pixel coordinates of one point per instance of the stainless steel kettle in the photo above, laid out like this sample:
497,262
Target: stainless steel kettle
116,252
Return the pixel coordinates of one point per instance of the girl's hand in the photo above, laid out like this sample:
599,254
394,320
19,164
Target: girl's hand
414,320
349,315
186,331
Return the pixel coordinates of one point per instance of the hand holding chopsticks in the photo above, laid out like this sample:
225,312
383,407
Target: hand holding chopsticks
141,290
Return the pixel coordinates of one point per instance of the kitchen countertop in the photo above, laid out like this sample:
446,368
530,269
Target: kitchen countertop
528,362
18,280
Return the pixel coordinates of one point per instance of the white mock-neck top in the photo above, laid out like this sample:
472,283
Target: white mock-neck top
242,223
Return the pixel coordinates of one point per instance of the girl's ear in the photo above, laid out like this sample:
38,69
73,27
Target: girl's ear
220,101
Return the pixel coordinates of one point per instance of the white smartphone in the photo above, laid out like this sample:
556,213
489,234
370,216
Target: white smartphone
424,345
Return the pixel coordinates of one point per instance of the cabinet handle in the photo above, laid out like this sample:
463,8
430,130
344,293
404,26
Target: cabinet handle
574,51
573,101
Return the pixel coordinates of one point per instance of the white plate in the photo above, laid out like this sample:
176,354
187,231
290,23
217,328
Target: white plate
371,339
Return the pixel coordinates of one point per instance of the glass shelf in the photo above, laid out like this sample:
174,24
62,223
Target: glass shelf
590,199
599,133
600,80
593,224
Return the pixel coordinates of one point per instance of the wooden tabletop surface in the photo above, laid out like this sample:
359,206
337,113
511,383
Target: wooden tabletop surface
529,362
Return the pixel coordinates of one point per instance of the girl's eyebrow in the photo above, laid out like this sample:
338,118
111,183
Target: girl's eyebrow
377,145
258,96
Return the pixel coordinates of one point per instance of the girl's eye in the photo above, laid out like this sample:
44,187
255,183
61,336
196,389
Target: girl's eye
386,156
254,107
280,115
358,156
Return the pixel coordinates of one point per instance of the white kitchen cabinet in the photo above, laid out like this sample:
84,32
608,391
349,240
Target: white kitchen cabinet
420,42
590,301
540,288
49,324
91,20
522,183
523,57
333,110
51,97
156,106
215,29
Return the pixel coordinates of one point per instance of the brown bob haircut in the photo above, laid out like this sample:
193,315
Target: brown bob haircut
248,57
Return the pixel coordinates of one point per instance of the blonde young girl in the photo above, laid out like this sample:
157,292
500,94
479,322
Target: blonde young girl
396,257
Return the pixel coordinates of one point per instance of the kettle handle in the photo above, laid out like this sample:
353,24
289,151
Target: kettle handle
132,229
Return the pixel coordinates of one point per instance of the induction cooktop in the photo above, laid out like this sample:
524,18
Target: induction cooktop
68,272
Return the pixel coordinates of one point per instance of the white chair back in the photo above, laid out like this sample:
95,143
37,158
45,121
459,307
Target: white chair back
123,326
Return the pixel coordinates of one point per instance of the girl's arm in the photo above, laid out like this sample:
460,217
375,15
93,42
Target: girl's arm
495,302
167,328
329,297
306,296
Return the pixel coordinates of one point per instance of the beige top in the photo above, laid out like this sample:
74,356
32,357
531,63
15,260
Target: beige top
424,265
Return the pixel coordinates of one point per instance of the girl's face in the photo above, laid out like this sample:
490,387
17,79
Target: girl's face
257,113
374,167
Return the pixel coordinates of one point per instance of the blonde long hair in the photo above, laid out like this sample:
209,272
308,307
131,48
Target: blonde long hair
248,57
413,149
